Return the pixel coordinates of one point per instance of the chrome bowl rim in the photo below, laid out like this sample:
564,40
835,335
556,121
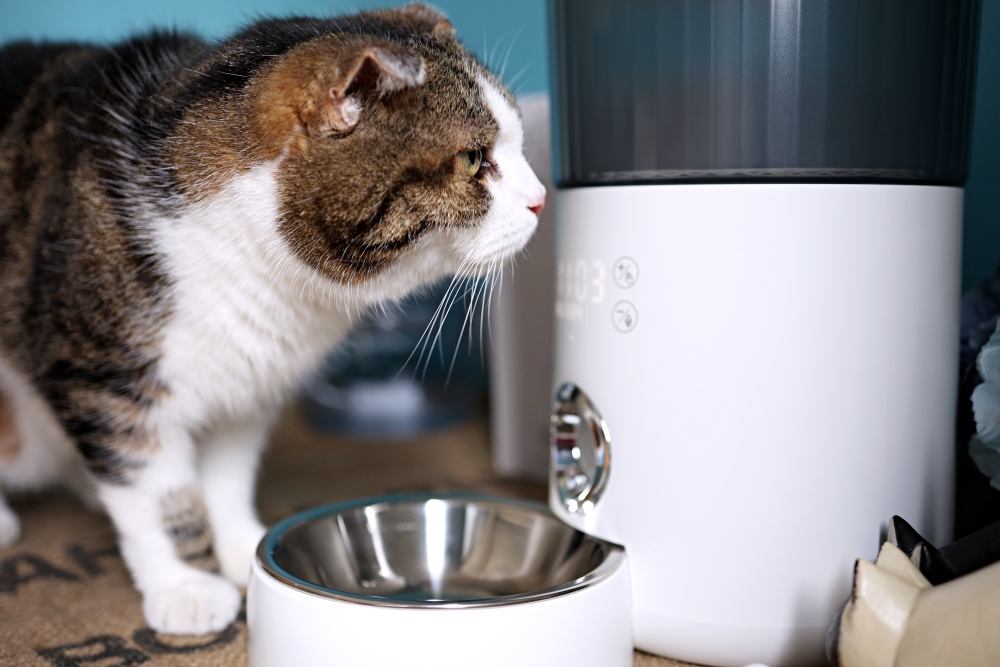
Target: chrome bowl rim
267,546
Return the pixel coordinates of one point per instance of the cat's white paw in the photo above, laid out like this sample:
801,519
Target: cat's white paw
10,527
197,605
236,553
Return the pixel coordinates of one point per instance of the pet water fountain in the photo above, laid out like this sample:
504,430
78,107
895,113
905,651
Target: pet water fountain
759,249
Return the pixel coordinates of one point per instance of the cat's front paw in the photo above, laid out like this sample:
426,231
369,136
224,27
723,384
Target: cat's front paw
236,553
10,527
198,604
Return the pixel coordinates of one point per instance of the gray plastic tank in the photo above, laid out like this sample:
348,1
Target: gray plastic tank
742,90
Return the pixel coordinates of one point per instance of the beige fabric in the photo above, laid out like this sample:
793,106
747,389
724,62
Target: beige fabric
874,620
893,560
66,599
955,624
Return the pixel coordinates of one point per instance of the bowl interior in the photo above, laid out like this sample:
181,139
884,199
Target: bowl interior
436,550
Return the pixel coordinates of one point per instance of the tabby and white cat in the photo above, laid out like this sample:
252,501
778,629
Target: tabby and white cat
186,229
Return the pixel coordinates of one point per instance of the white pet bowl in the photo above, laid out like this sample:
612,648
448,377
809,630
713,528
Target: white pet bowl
437,580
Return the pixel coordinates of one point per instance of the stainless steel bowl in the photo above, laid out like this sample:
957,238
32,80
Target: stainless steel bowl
450,551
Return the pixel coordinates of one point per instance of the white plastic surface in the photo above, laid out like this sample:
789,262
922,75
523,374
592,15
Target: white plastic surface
778,381
587,628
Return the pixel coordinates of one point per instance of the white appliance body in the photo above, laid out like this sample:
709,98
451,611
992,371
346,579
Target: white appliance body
777,368
589,627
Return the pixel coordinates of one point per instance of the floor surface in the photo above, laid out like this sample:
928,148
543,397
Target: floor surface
66,599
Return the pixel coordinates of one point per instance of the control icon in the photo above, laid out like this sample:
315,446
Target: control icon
626,272
624,316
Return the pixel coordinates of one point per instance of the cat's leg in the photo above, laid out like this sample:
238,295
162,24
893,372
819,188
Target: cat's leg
10,448
228,471
165,536
10,526
34,450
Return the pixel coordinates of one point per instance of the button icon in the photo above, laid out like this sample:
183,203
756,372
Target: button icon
624,316
626,272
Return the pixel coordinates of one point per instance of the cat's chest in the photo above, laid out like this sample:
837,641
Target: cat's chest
238,347
246,319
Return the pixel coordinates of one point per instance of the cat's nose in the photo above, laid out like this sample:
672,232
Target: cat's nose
537,206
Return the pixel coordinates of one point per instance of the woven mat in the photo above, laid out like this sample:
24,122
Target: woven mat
66,598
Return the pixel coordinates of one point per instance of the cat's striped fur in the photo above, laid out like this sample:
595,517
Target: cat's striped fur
187,228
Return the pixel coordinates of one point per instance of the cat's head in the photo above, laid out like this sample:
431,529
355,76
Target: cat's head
396,150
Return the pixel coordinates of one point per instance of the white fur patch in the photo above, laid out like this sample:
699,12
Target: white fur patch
248,318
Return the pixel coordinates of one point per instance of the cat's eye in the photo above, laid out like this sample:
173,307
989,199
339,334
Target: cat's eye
471,161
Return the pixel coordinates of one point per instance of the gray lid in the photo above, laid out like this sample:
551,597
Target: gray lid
747,90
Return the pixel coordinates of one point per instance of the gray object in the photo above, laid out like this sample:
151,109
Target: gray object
826,90
386,381
581,450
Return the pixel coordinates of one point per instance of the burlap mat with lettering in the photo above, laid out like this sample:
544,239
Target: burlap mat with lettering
65,596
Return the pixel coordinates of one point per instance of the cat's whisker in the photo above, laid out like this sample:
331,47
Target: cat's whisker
467,282
510,47
490,278
433,340
471,313
513,82
497,278
425,336
448,298
477,280
497,283
458,346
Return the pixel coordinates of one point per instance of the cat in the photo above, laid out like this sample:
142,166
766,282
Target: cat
186,229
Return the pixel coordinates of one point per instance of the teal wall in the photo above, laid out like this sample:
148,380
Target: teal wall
494,29
490,28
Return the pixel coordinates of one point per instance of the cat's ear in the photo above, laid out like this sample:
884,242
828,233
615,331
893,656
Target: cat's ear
429,19
374,70
321,88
